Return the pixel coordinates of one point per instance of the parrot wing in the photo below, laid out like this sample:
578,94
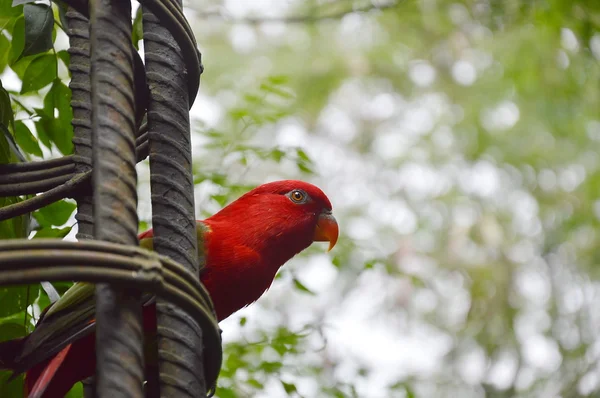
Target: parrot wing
63,322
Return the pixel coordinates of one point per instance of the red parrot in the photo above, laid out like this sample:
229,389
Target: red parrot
245,244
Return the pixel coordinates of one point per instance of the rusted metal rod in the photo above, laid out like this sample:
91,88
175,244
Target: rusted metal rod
119,333
180,346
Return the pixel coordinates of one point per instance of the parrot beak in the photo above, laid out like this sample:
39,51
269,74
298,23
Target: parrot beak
326,229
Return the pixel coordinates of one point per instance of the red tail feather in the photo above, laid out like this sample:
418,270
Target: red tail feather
44,379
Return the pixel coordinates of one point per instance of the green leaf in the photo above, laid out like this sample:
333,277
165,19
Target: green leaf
278,79
64,56
62,14
15,153
15,299
39,24
277,155
11,388
277,91
6,112
256,384
137,32
302,155
17,42
305,168
8,12
16,227
302,288
4,51
39,73
41,127
55,214
226,393
26,140
59,130
76,391
49,232
11,330
289,387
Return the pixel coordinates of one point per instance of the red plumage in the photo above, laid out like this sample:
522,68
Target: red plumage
244,244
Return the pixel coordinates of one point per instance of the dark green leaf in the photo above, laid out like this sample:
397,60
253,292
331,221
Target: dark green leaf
11,330
289,387
39,24
6,112
15,299
40,72
302,288
12,388
26,140
16,227
55,214
15,153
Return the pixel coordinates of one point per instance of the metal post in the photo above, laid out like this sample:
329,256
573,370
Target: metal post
180,348
119,334
81,102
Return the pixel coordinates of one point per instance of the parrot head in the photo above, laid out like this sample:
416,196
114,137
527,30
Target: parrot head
287,216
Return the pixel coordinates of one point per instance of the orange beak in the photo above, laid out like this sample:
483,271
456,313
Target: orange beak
326,229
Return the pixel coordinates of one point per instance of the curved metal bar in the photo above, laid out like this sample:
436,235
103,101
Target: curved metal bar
28,188
29,261
70,187
32,166
48,197
171,16
35,175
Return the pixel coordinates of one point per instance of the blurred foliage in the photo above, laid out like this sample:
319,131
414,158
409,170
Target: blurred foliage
458,141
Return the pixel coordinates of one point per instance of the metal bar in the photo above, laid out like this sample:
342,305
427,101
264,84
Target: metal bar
180,347
81,102
119,334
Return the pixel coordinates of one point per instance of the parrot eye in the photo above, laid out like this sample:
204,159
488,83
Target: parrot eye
298,196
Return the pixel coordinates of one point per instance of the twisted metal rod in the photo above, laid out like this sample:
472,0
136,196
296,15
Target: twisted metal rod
70,188
29,261
180,370
119,330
